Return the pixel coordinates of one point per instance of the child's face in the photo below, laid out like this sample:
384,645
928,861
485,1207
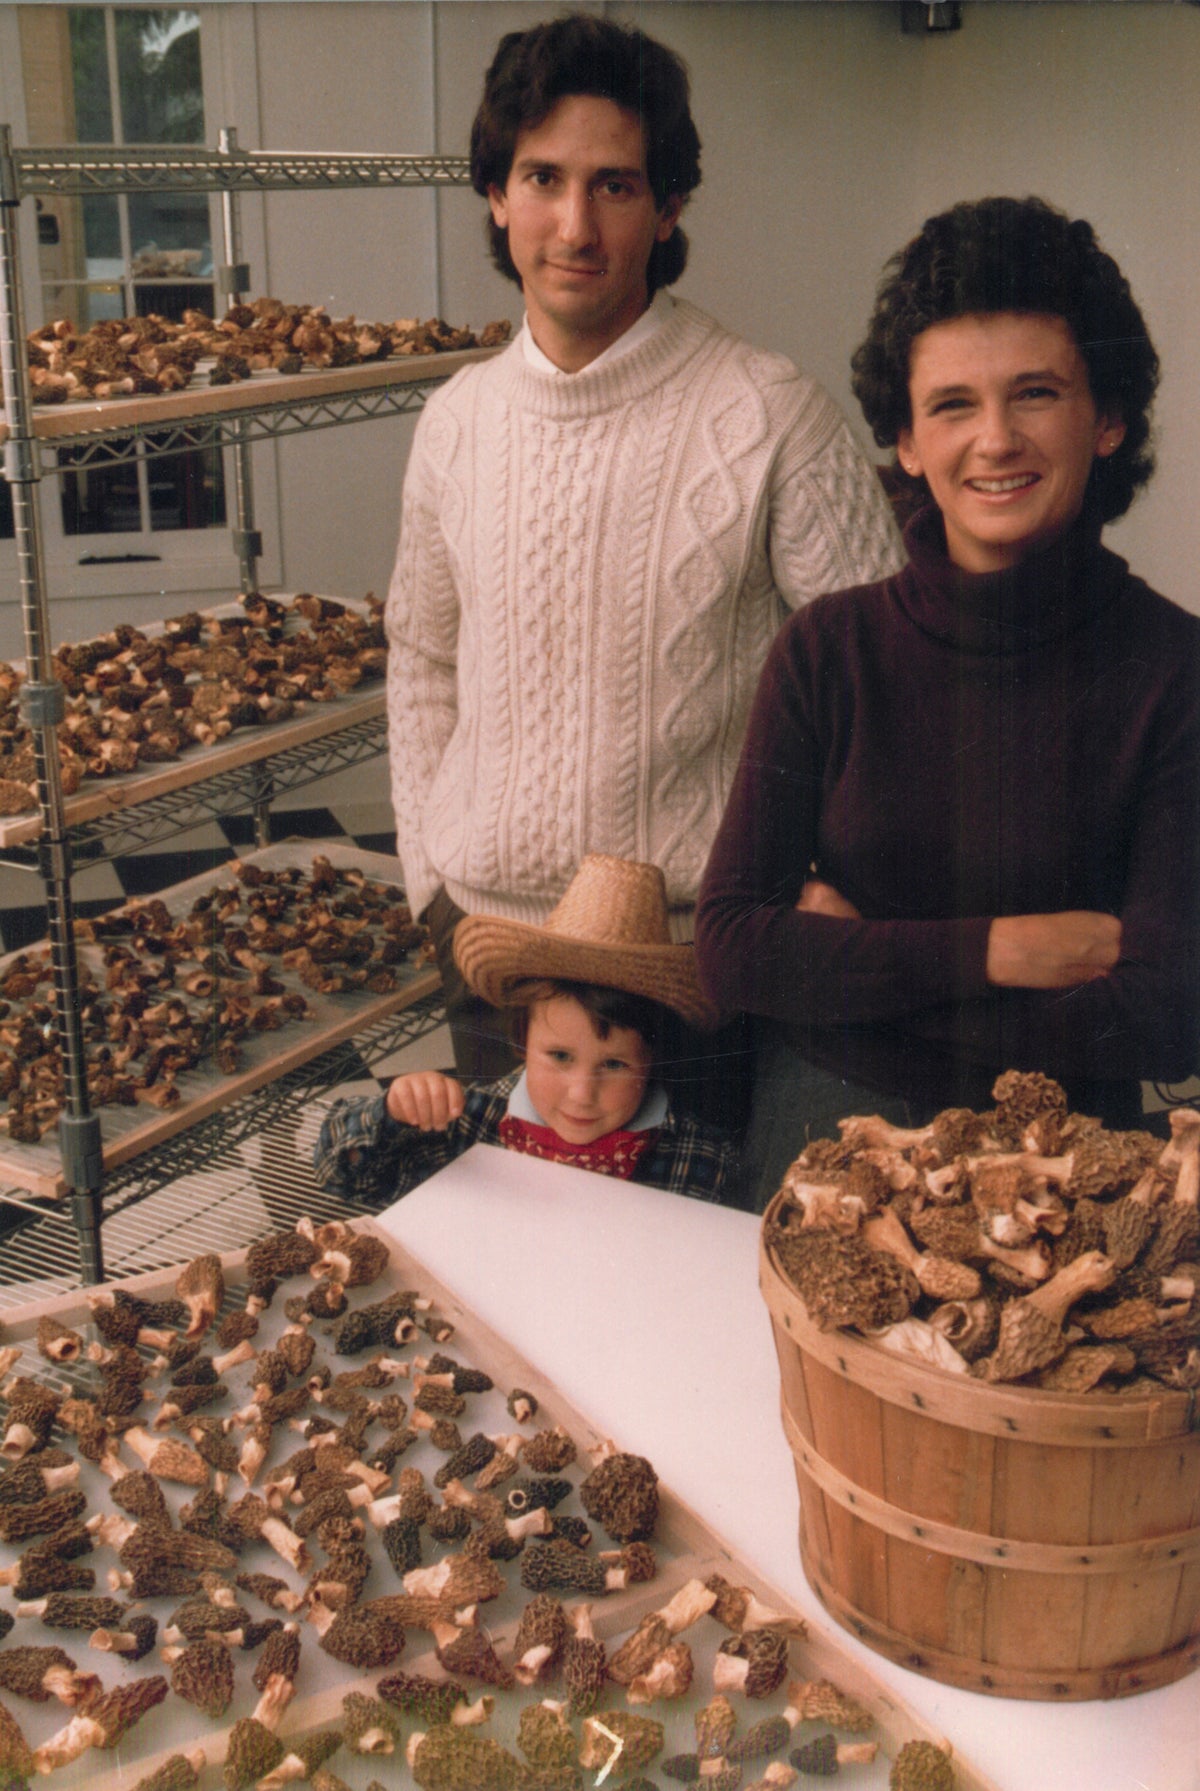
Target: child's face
581,1085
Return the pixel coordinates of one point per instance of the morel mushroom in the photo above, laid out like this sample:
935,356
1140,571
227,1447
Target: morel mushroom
167,1458
1031,1328
546,1739
456,1759
202,1674
16,1755
621,1493
40,1517
825,1755
178,1772
754,1663
365,1635
201,1287
434,1701
541,1636
921,1766
43,1673
253,1751
56,1341
304,1758
369,1726
104,1722
940,1277
133,1640
584,1662
620,1740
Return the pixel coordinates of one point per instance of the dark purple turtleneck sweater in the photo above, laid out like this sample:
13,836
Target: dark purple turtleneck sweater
946,747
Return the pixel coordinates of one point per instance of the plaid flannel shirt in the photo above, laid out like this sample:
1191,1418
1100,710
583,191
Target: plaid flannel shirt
364,1155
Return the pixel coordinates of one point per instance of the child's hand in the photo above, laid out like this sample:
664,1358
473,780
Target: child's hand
426,1099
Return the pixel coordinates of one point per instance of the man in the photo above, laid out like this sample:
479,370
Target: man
604,526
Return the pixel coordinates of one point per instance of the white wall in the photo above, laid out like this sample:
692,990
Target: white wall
828,136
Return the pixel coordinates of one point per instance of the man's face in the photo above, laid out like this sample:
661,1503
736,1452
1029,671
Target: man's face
581,222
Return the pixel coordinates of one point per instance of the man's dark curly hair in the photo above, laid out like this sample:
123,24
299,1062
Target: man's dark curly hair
1021,255
580,54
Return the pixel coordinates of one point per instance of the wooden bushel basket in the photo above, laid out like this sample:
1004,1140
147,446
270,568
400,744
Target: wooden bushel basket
1004,1539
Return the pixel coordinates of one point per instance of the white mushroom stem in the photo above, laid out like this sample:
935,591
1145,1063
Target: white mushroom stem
168,1458
826,1206
873,1129
885,1231
1185,1139
692,1601
233,1358
374,1479
382,1511
1088,1273
287,1545
110,1528
1050,1169
252,1454
113,1641
503,1464
18,1441
1031,1262
274,1699
81,1733
290,1768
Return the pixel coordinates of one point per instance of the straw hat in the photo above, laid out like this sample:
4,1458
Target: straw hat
610,928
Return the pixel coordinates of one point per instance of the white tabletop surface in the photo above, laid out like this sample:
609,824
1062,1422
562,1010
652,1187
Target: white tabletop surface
644,1309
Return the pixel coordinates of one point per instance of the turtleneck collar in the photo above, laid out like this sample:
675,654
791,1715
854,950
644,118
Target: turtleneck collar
657,356
1049,594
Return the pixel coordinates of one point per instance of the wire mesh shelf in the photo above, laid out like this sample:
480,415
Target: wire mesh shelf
119,442
155,819
237,1174
79,168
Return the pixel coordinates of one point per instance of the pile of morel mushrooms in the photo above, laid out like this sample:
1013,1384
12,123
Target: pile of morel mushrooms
161,992
1024,1244
136,700
203,1495
121,357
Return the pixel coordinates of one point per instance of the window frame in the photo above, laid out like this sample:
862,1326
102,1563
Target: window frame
198,564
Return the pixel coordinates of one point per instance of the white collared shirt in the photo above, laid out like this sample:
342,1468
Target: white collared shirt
652,319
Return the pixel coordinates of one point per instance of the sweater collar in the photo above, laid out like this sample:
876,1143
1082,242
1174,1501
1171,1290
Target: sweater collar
661,354
1050,594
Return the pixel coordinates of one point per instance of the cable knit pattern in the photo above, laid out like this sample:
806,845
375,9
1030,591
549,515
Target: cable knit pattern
589,575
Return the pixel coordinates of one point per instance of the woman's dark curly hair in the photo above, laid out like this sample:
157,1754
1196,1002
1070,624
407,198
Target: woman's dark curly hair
1021,255
580,54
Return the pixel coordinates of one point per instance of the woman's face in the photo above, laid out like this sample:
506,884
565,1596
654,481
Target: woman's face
1004,429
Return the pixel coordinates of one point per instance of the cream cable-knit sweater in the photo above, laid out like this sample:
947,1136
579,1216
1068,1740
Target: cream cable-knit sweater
590,572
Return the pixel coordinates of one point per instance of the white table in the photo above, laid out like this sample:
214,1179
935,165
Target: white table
644,1309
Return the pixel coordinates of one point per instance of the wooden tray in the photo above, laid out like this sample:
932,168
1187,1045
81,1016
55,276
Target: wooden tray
245,746
685,1547
128,1131
66,422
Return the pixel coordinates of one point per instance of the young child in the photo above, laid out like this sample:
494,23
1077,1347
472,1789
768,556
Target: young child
593,992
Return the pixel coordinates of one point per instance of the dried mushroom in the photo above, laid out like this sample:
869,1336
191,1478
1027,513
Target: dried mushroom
976,1242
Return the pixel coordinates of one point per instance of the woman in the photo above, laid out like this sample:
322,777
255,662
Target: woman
964,835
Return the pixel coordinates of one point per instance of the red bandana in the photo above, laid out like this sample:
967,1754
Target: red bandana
617,1153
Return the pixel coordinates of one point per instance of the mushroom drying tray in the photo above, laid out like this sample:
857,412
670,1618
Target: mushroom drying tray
313,721
128,1131
685,1549
111,416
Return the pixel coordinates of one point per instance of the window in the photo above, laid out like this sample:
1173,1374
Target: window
148,537
125,75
